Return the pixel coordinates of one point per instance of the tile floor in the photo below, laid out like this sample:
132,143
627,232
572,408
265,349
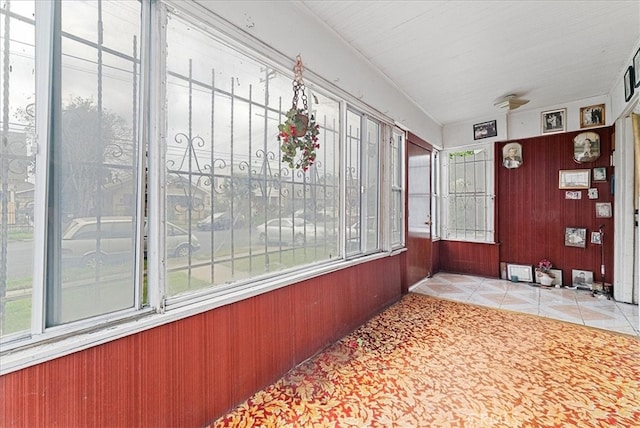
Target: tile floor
576,306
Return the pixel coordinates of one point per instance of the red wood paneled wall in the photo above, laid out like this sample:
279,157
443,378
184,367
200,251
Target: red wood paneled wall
533,212
470,258
189,372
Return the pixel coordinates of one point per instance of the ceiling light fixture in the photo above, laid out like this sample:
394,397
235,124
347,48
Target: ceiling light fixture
510,102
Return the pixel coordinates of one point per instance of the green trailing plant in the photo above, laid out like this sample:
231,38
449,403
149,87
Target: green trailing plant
298,134
298,138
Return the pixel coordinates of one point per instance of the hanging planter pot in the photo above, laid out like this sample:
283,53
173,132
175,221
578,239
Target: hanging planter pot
298,139
298,134
301,122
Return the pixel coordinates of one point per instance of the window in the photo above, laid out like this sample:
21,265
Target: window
436,200
362,174
93,157
468,195
17,156
161,153
397,189
223,160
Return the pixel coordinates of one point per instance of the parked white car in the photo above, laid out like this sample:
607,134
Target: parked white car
116,243
221,221
293,231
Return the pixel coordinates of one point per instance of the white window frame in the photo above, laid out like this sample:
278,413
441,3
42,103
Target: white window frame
397,190
489,194
436,195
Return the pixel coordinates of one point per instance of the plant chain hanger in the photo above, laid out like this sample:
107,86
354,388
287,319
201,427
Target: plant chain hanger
298,135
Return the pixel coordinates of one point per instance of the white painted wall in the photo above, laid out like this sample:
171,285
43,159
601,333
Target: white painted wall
288,28
526,122
520,123
461,134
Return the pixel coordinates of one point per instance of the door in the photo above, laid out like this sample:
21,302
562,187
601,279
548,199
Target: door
419,219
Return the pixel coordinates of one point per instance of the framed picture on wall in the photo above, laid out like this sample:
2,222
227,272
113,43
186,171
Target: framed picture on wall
596,238
485,130
553,121
603,210
628,83
600,174
575,237
636,68
591,116
586,147
512,155
574,179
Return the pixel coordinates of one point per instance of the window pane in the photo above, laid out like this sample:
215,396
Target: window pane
17,158
353,172
397,212
419,197
372,188
93,162
362,175
244,213
469,204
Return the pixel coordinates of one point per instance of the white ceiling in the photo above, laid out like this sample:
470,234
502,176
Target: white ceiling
454,59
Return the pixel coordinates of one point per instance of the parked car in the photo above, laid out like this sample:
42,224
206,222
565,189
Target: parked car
117,240
321,215
293,231
220,221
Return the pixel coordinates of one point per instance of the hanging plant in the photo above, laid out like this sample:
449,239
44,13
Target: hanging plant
298,136
298,139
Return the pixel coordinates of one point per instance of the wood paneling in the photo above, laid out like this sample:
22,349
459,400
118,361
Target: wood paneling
191,371
470,258
533,212
435,256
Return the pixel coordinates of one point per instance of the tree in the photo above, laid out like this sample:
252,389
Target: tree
96,149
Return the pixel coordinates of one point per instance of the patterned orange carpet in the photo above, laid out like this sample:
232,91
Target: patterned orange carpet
426,362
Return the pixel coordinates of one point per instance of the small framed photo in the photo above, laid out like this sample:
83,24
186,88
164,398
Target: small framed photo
603,210
591,116
575,237
586,147
553,121
573,194
600,174
593,193
520,273
636,68
628,83
485,130
582,279
575,179
596,238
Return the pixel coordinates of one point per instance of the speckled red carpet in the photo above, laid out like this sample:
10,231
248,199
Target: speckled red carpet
426,362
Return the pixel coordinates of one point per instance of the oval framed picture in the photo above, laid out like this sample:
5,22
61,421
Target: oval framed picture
586,147
512,155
